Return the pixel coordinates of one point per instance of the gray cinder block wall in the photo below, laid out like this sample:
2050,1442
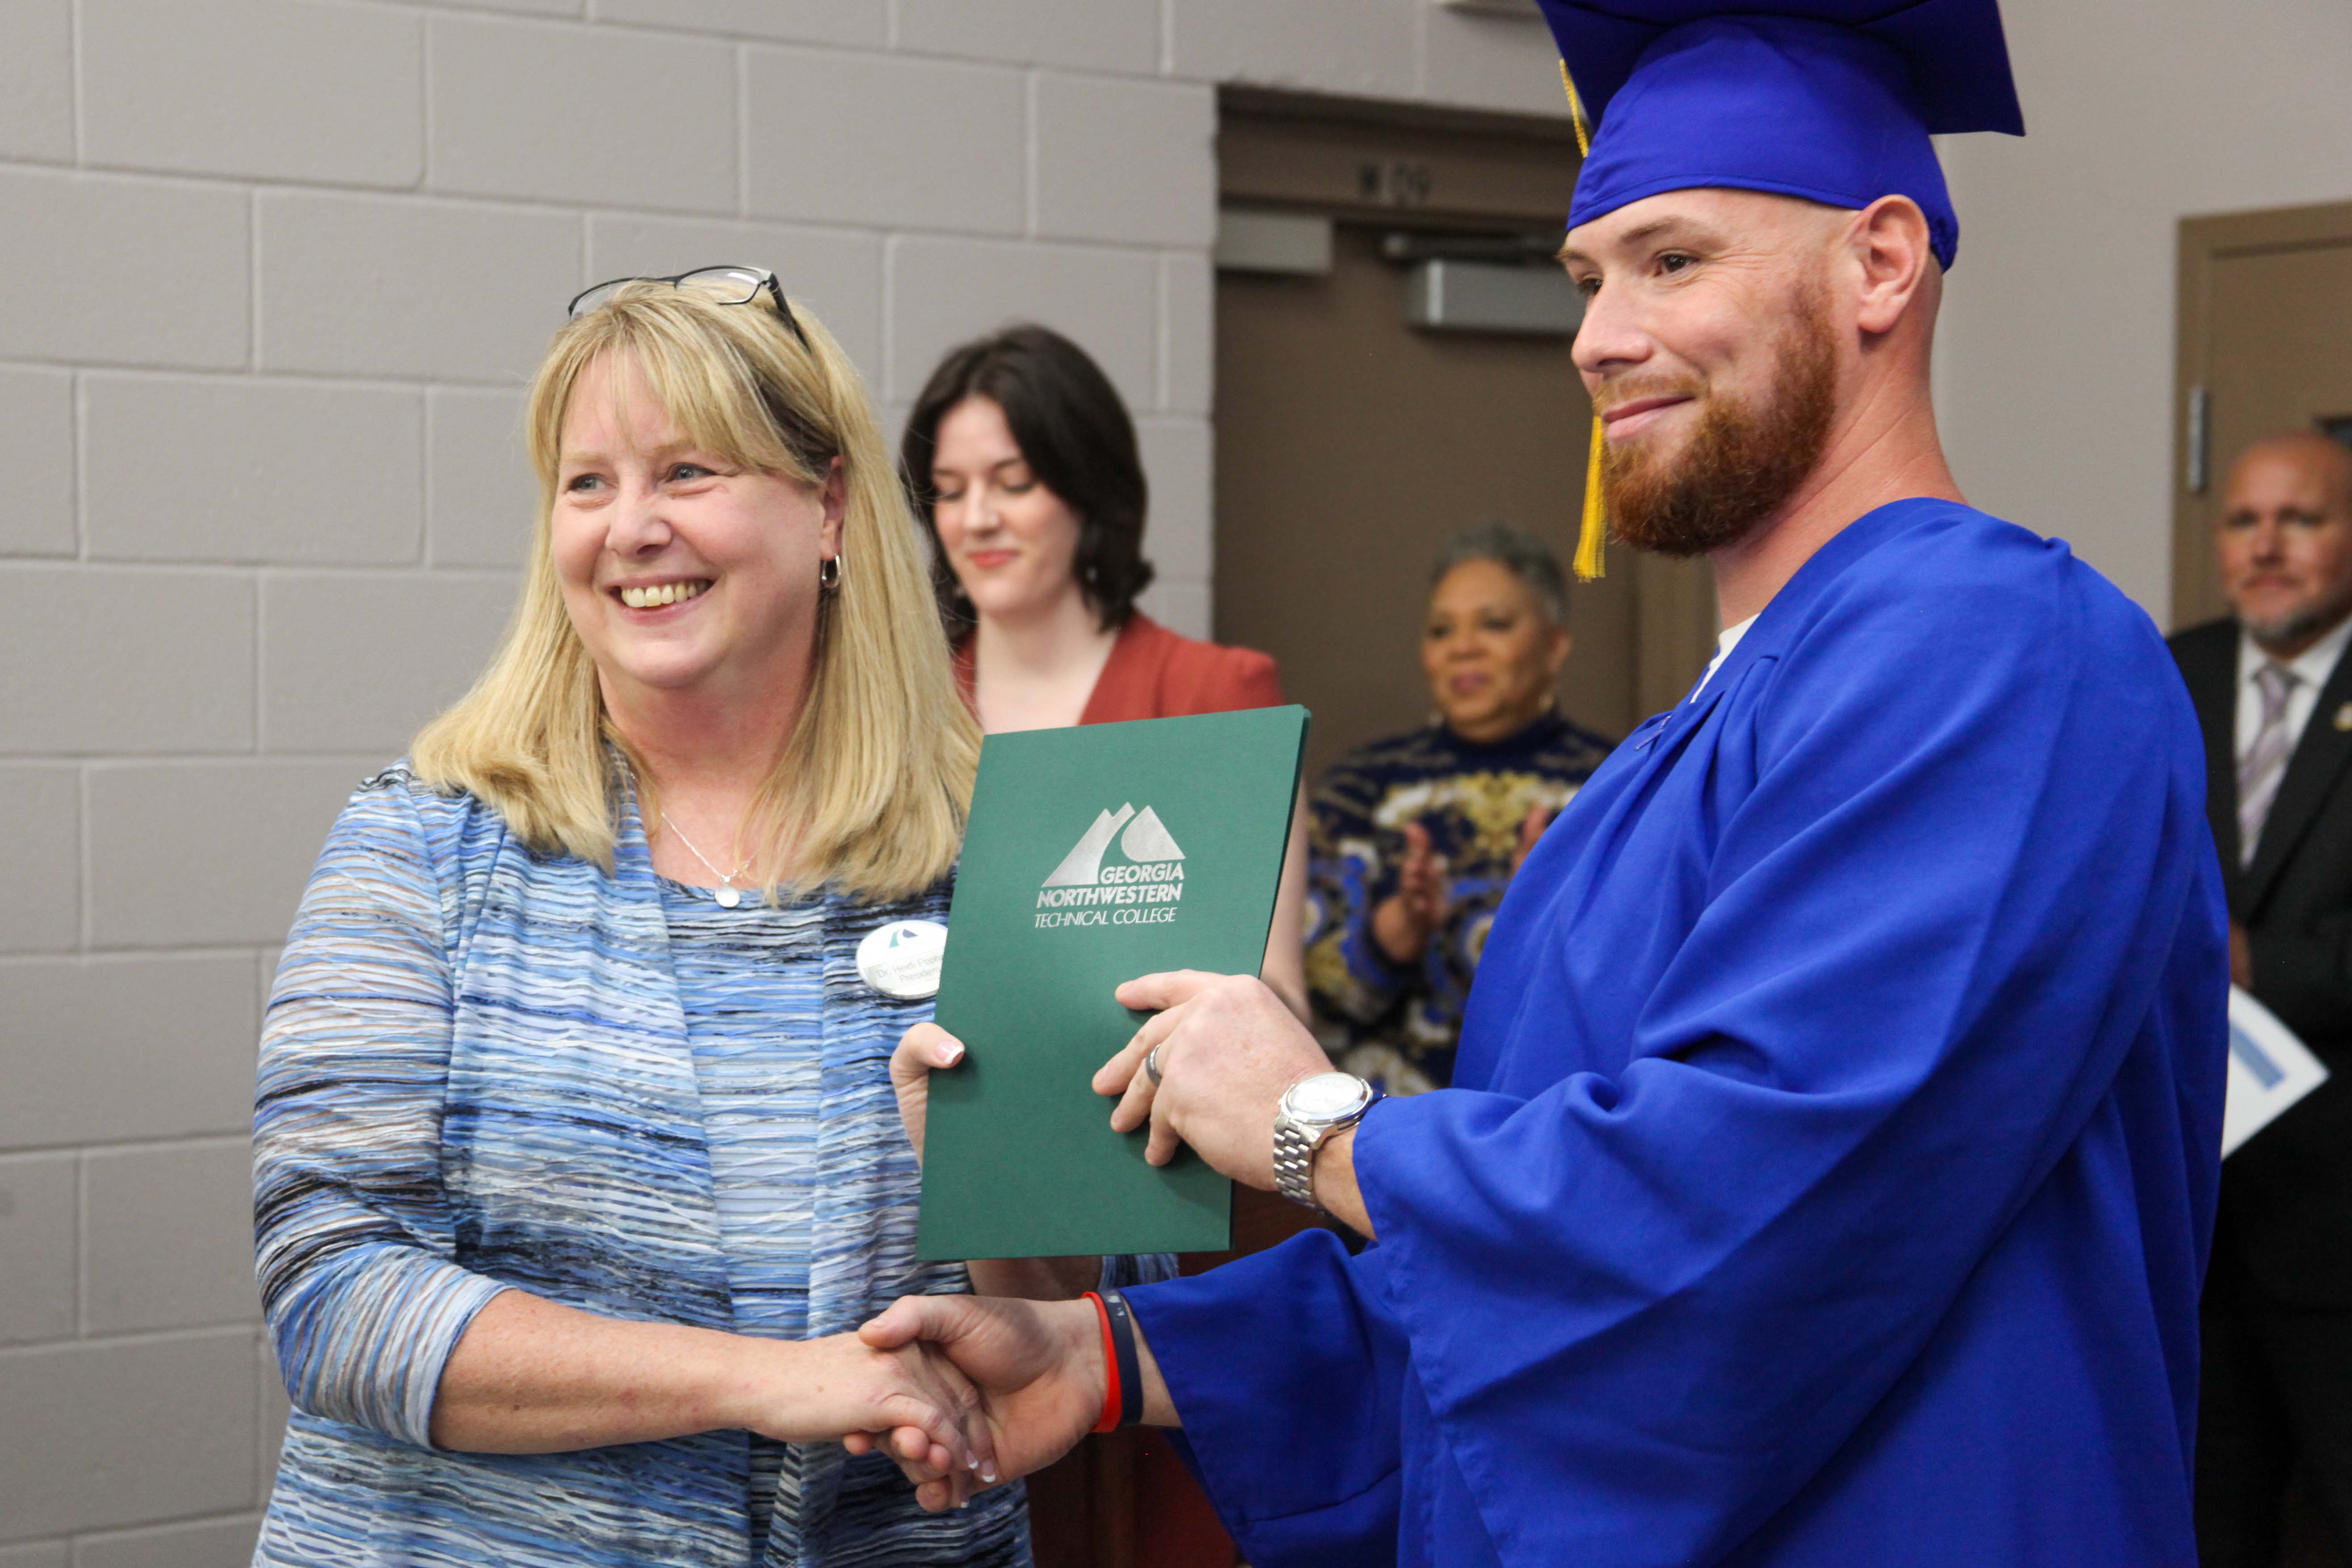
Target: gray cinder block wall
271,273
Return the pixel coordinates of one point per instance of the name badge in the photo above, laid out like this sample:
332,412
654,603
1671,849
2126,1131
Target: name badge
902,959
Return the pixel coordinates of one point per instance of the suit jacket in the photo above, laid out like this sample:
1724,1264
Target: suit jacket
2286,1196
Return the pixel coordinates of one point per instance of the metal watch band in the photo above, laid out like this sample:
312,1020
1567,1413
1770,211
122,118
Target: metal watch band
1293,1162
1296,1142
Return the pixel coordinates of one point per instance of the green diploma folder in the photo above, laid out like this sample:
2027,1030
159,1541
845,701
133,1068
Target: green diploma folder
1094,855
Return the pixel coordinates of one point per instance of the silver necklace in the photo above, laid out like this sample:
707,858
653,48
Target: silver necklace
728,894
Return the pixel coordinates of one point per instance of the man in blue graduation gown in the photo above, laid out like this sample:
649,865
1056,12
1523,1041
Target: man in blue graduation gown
1831,1160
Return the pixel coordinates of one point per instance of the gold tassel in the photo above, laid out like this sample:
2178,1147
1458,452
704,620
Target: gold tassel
1576,114
1595,530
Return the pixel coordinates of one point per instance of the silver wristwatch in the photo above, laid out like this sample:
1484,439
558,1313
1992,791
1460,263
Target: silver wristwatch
1311,1110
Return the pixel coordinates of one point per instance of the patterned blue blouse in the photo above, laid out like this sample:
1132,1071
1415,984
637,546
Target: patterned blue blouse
483,1067
751,980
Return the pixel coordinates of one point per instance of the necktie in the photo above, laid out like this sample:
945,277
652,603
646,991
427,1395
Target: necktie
2265,762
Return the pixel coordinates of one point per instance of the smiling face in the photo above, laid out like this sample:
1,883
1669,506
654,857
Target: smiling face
1011,543
1489,654
2284,541
1709,351
683,574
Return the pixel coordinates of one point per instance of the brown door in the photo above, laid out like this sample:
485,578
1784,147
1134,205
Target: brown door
1350,445
2265,345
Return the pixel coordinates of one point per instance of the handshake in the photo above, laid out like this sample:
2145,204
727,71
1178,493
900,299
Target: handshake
978,1389
990,1389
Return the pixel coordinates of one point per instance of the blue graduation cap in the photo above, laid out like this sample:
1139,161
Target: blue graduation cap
1832,101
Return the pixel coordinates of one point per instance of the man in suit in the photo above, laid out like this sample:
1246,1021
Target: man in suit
2273,694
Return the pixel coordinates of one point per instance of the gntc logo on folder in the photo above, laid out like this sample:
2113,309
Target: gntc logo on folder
1142,890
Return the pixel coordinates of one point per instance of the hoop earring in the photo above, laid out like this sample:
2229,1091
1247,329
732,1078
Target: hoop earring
829,574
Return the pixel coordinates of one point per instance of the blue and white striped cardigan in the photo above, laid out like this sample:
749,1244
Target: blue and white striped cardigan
474,1076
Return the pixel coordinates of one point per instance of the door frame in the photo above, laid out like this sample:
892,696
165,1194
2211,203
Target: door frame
2205,242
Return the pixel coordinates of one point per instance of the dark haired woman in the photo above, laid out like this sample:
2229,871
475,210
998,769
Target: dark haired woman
1025,474
1025,470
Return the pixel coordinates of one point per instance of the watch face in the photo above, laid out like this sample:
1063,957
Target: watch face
1325,1095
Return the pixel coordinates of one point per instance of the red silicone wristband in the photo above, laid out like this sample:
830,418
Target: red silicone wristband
1109,1420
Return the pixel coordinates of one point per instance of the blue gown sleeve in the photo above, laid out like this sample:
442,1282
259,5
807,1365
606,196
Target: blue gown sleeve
1319,1368
1953,858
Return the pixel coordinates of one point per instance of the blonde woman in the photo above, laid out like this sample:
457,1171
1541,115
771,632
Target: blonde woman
576,1155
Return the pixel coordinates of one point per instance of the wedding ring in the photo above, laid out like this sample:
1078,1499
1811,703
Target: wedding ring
1151,1064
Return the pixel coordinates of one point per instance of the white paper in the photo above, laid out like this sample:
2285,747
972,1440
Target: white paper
2269,1069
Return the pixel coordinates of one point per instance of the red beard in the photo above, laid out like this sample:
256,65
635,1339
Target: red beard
1741,462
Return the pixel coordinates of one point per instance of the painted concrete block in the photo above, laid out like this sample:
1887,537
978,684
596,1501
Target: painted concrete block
481,498
1085,35
1188,332
127,1432
891,141
1176,461
217,469
41,803
209,854
853,22
167,1236
118,1048
37,451
320,93
36,1248
80,245
355,663
1129,162
185,683
398,287
1486,61
837,273
606,117
199,1543
944,291
36,80
1363,46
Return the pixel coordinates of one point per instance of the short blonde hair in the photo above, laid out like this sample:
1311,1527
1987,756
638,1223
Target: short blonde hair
871,790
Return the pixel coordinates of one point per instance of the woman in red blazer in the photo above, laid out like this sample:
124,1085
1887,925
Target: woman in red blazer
1025,474
1025,470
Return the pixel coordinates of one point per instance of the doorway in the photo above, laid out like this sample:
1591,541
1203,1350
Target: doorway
1349,444
2265,345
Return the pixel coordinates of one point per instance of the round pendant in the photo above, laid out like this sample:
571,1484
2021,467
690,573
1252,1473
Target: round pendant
728,897
902,959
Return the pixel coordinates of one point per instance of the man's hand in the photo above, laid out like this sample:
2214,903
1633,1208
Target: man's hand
1403,922
920,1049
1228,1050
1038,1368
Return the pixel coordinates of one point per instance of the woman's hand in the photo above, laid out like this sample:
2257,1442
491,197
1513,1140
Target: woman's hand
1403,922
1532,831
531,1376
920,1049
909,1400
1041,1377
